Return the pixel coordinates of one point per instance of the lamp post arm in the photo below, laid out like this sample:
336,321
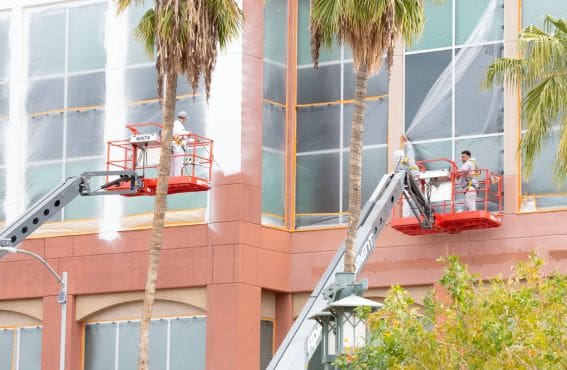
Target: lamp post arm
37,257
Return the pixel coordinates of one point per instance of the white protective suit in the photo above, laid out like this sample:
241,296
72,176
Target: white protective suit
177,149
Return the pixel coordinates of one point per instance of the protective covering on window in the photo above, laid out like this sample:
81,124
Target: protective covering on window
540,191
432,77
447,110
324,115
274,113
20,349
80,77
174,341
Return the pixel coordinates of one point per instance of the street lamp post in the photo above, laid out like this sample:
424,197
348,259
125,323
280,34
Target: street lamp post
343,330
61,296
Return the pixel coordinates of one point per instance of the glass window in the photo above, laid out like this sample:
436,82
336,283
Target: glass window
20,349
4,99
275,30
477,110
141,83
375,123
47,42
374,163
479,21
30,349
128,344
188,343
434,150
273,134
86,90
85,133
136,52
6,348
86,37
318,128
45,137
428,95
541,180
534,11
438,26
377,84
45,95
318,179
319,85
274,82
266,342
304,40
488,152
100,346
4,46
273,186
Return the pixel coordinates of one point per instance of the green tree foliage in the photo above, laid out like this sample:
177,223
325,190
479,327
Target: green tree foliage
515,323
541,72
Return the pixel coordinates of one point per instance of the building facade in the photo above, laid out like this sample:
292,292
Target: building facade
240,260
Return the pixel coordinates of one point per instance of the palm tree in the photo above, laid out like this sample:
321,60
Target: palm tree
186,36
541,73
371,28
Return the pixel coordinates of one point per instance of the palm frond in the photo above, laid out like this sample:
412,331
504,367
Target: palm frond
122,5
145,32
560,165
541,72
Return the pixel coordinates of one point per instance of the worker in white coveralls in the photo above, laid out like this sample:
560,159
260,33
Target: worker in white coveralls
178,144
468,182
405,161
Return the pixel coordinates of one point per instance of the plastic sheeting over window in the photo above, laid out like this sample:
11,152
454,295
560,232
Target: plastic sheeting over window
20,349
79,87
177,342
324,115
447,110
539,191
274,113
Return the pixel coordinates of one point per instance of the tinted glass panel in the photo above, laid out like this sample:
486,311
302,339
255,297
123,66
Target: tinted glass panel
377,84
375,123
273,135
534,11
6,347
318,183
304,39
319,85
275,30
479,21
438,26
274,82
141,83
374,162
318,128
266,342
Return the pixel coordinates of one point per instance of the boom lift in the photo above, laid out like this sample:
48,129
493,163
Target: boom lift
130,165
433,197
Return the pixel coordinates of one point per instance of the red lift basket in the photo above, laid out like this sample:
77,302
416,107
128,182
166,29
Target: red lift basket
141,152
449,213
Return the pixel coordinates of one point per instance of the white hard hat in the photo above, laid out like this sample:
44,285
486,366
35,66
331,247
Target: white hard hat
182,114
399,155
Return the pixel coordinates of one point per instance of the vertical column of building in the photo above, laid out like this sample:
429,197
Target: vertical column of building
512,24
235,112
396,99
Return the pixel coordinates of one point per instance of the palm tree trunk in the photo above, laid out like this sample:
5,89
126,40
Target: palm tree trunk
355,165
168,107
